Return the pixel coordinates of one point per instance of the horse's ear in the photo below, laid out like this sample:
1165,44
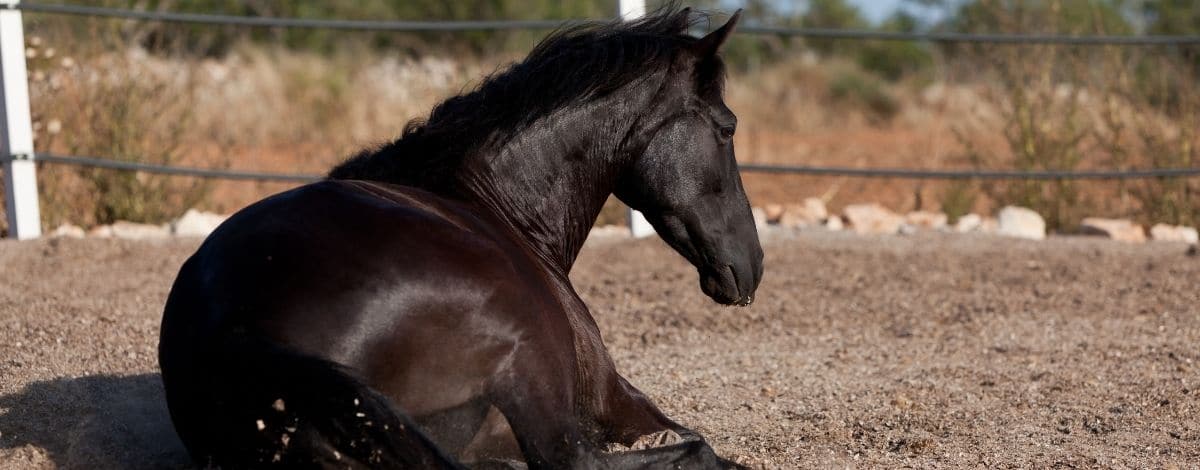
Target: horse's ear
711,44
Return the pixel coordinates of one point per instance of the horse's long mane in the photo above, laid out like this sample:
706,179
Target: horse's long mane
570,67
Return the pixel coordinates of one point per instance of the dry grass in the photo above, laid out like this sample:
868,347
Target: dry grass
269,109
255,109
1089,108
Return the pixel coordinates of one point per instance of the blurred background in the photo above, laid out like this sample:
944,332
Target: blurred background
299,100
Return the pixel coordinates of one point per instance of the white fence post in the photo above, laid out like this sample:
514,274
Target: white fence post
638,225
632,9
16,129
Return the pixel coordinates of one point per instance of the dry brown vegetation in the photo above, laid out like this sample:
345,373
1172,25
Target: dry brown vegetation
274,109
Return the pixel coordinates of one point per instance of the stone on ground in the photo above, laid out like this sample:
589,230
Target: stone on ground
927,220
760,217
811,212
195,223
1020,222
1116,229
68,231
774,212
872,219
968,223
135,231
834,224
1174,233
609,232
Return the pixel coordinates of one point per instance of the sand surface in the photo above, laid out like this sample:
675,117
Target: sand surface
923,351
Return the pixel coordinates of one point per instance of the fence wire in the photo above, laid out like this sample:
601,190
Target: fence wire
111,164
430,26
499,25
277,22
899,173
903,173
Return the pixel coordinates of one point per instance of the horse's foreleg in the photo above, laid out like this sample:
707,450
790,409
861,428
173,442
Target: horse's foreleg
539,403
629,414
550,436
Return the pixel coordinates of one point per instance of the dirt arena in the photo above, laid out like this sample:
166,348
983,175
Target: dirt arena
923,351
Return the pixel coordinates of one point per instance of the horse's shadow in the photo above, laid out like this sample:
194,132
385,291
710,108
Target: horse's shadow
100,421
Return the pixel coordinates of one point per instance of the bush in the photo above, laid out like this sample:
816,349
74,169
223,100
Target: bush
855,87
894,60
122,113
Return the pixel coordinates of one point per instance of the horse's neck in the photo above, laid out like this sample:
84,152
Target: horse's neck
549,184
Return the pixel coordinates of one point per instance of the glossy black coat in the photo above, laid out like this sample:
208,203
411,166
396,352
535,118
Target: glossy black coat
414,310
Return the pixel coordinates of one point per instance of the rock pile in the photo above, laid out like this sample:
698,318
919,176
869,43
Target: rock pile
193,223
1011,221
1116,229
873,219
862,219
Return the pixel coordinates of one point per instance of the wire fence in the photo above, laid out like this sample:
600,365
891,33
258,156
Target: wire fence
895,173
449,26
509,25
111,164
275,22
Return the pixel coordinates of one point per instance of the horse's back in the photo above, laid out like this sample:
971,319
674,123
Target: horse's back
315,268
416,295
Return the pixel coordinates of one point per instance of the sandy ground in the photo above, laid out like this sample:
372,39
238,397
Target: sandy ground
924,351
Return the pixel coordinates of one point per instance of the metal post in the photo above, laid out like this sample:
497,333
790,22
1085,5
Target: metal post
632,9
638,225
16,129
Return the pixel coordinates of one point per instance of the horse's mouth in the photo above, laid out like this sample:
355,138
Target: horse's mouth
723,287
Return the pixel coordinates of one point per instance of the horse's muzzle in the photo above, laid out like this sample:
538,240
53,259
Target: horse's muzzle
729,285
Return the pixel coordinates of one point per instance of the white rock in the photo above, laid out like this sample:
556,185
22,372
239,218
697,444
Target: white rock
1174,233
773,212
760,217
927,220
834,224
816,208
872,219
990,225
812,212
101,231
1116,229
609,232
1021,222
195,223
68,231
133,231
968,223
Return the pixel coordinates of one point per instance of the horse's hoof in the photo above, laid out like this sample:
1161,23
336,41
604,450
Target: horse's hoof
648,441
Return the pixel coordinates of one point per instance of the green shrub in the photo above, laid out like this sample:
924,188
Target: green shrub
857,88
958,199
894,60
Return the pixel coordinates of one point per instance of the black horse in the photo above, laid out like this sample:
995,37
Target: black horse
413,310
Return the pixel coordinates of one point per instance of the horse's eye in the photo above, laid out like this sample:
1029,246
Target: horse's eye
727,132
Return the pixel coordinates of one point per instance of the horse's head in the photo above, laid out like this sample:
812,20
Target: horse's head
686,180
